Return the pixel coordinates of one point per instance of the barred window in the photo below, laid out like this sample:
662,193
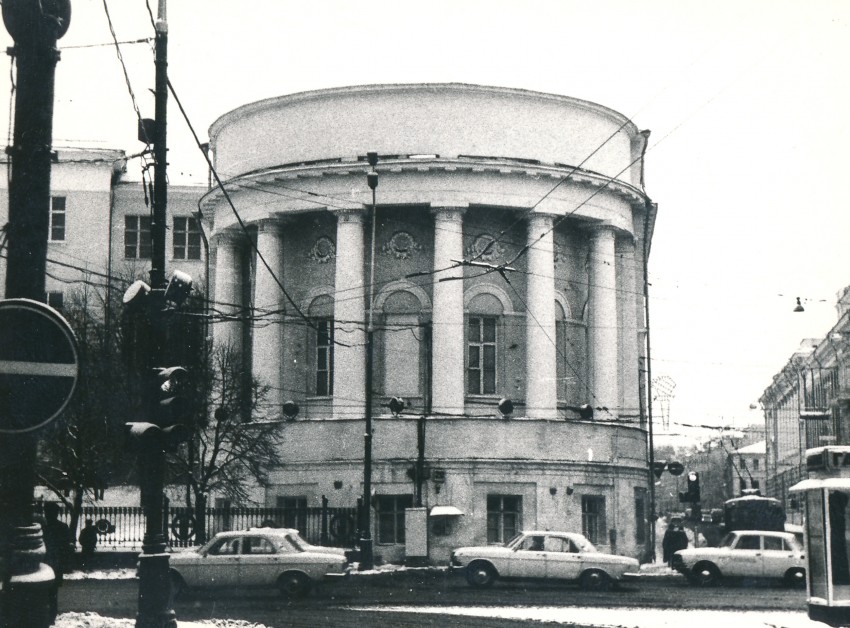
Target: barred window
504,517
186,238
390,517
137,237
481,369
57,218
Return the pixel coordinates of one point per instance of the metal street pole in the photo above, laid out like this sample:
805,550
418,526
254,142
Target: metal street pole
367,560
154,609
28,598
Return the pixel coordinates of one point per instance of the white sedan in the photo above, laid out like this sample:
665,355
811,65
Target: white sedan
543,555
745,554
273,557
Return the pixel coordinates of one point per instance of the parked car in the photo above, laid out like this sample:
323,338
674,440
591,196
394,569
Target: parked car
543,555
260,557
745,554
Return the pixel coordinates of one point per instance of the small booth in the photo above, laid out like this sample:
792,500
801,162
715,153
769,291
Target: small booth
826,495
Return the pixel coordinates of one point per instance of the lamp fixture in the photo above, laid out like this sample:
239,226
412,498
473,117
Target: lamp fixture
506,407
799,307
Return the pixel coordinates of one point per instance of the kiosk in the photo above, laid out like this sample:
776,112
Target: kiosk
826,496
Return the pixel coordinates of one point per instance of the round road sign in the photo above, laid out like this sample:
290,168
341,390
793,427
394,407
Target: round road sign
39,365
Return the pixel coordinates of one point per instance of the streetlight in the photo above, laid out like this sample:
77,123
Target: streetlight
366,556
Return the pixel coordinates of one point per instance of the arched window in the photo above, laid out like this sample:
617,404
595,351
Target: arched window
484,342
321,346
571,339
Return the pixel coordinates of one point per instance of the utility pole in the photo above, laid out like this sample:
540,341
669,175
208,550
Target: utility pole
29,588
154,609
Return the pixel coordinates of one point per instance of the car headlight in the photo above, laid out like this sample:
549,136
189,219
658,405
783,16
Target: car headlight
455,560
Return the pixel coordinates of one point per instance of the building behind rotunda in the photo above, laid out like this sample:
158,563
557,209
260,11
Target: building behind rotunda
511,230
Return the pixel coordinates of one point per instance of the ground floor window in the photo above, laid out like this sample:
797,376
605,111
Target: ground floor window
593,518
504,517
390,517
294,512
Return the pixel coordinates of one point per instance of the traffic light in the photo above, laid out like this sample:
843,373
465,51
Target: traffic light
692,494
173,413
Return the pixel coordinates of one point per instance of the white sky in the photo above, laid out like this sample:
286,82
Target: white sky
746,100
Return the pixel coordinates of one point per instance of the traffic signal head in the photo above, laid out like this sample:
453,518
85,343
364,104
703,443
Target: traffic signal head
693,486
173,410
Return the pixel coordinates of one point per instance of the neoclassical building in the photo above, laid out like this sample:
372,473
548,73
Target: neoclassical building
504,259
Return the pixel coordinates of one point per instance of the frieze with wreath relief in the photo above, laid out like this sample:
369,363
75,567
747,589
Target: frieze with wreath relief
402,245
323,251
485,248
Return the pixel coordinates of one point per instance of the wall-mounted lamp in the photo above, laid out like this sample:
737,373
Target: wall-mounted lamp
569,490
586,412
396,405
337,484
506,407
290,410
553,490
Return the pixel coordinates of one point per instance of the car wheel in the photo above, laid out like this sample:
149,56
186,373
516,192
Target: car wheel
178,585
293,584
595,580
706,574
480,574
795,577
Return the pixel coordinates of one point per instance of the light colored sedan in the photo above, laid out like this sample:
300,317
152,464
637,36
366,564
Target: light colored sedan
745,554
543,555
260,557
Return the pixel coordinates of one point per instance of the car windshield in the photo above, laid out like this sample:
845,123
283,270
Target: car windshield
727,540
584,545
296,541
515,540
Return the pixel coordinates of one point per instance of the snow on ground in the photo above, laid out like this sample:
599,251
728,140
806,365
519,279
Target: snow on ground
93,620
101,574
620,617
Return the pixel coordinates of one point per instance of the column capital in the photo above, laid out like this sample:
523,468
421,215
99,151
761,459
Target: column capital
452,213
350,214
229,238
270,225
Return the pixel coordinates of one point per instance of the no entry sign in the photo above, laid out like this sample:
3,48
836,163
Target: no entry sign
38,365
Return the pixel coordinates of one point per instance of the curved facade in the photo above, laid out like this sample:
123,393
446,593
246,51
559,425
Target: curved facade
507,262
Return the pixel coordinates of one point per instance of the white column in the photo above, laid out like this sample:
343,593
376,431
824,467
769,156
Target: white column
349,398
447,377
228,291
268,315
629,355
541,366
603,323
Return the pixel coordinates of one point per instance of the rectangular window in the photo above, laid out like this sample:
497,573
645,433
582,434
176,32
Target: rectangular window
504,517
324,357
187,238
640,516
57,219
390,517
481,373
755,464
294,512
56,300
593,518
137,237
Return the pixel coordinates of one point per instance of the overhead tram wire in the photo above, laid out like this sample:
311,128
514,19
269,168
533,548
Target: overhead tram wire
242,224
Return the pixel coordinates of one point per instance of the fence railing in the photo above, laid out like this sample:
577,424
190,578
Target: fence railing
124,527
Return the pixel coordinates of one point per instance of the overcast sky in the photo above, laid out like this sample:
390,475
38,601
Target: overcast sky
747,102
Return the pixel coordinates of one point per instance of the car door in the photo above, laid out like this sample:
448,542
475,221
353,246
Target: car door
745,557
528,560
220,566
260,562
563,558
778,557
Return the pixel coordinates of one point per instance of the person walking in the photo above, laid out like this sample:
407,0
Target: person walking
88,542
58,544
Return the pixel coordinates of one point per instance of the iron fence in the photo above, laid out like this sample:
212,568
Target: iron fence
124,527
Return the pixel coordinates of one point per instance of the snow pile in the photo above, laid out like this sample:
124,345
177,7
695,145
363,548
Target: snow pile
101,574
93,620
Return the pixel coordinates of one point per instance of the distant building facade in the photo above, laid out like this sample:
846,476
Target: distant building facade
807,405
508,263
100,227
747,469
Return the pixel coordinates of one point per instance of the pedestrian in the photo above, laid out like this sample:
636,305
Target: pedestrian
58,544
88,542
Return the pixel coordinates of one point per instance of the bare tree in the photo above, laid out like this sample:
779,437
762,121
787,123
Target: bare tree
232,450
